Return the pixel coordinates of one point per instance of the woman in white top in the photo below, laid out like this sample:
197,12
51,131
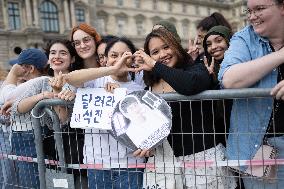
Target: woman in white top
61,56
100,147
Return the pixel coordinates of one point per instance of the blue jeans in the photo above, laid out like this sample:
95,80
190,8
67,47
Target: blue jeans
26,172
7,172
115,179
252,183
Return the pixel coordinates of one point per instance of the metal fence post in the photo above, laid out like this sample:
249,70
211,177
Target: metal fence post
39,144
38,108
58,138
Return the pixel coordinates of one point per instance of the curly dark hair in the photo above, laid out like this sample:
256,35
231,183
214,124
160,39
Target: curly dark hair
215,19
124,40
78,64
279,1
150,78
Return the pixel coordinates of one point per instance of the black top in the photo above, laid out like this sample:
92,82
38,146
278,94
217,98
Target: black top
192,79
274,127
193,127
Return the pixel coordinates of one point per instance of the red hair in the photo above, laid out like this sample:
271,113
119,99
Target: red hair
88,29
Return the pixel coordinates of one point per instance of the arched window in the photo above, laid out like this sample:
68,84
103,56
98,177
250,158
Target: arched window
139,24
185,28
101,22
137,3
121,22
14,16
155,4
49,17
80,15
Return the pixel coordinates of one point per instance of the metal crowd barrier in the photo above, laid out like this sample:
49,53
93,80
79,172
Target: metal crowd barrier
45,106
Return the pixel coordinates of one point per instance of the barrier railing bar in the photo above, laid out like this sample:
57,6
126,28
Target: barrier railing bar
38,143
220,94
206,95
57,137
207,163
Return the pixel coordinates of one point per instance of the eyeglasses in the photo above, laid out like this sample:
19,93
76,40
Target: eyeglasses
101,57
257,11
85,40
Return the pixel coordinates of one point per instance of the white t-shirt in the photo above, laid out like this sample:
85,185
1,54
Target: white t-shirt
11,91
138,78
20,122
99,146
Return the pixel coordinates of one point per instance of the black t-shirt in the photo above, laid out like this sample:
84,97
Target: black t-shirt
275,128
193,127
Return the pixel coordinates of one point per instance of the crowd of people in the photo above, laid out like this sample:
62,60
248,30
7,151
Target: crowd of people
201,130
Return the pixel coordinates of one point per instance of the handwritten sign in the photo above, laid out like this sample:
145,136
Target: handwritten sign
93,107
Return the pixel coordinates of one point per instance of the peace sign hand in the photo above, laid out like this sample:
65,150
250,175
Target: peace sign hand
193,50
211,67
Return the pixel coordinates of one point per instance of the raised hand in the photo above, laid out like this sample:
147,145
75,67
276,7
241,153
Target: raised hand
48,95
67,95
137,60
211,67
57,82
111,86
124,63
6,108
18,70
143,153
17,74
193,50
278,91
147,64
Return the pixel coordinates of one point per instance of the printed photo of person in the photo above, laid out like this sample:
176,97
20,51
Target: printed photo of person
144,122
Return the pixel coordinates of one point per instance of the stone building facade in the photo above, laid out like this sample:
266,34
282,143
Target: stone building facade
32,23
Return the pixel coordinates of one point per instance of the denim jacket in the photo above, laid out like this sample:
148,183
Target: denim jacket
249,117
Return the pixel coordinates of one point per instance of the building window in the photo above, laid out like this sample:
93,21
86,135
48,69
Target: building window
120,26
185,29
14,16
139,26
100,1
119,2
137,3
49,17
197,11
155,4
184,8
101,25
80,15
234,12
156,19
170,7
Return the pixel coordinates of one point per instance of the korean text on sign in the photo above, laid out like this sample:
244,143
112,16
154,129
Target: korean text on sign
93,107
